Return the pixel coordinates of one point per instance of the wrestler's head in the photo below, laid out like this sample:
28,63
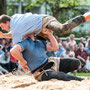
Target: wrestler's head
5,22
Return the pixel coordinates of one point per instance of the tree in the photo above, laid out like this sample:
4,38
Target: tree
2,7
56,6
63,10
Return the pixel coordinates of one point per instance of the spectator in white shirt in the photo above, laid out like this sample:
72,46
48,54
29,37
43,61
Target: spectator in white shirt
67,53
72,41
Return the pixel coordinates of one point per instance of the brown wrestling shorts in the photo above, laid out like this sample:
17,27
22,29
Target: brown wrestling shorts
47,20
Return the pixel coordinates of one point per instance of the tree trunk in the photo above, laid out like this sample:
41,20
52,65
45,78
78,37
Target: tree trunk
2,7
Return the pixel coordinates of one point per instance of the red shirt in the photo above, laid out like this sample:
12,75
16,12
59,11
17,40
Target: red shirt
83,54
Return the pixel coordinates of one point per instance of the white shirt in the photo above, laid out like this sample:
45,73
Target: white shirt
63,54
72,42
22,24
87,64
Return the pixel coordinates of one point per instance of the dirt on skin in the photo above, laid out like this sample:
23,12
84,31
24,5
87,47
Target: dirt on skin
27,82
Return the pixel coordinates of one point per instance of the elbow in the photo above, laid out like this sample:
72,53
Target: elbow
13,52
55,48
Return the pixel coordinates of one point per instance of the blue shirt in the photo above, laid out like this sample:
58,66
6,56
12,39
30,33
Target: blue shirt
34,52
59,51
22,24
88,50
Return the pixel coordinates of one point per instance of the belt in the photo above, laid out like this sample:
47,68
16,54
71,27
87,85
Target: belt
41,67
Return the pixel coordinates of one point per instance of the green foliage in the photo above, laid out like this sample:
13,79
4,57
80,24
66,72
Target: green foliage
63,10
32,4
55,5
82,74
78,34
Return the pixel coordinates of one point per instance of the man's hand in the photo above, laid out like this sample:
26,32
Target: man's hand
27,35
45,32
1,35
43,35
24,66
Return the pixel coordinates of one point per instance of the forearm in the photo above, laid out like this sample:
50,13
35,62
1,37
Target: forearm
18,56
53,44
52,40
79,57
7,35
16,52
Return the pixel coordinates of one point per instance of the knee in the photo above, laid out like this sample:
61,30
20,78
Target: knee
77,63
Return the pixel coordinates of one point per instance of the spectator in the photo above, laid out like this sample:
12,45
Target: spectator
60,50
87,66
3,71
82,41
64,44
59,40
75,48
72,41
72,48
88,47
3,42
82,55
68,40
87,37
67,53
4,62
6,48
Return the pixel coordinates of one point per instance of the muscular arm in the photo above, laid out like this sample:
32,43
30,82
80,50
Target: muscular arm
53,44
6,35
16,52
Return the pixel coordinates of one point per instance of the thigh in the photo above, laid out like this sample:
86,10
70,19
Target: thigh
52,75
69,64
58,75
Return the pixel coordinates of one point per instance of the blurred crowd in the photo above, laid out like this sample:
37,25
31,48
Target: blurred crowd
7,62
69,48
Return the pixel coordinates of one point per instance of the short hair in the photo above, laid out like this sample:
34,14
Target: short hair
72,35
68,49
4,18
60,44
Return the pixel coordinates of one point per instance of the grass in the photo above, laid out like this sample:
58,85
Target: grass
82,74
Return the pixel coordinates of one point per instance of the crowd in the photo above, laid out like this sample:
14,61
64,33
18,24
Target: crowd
73,49
67,48
7,62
